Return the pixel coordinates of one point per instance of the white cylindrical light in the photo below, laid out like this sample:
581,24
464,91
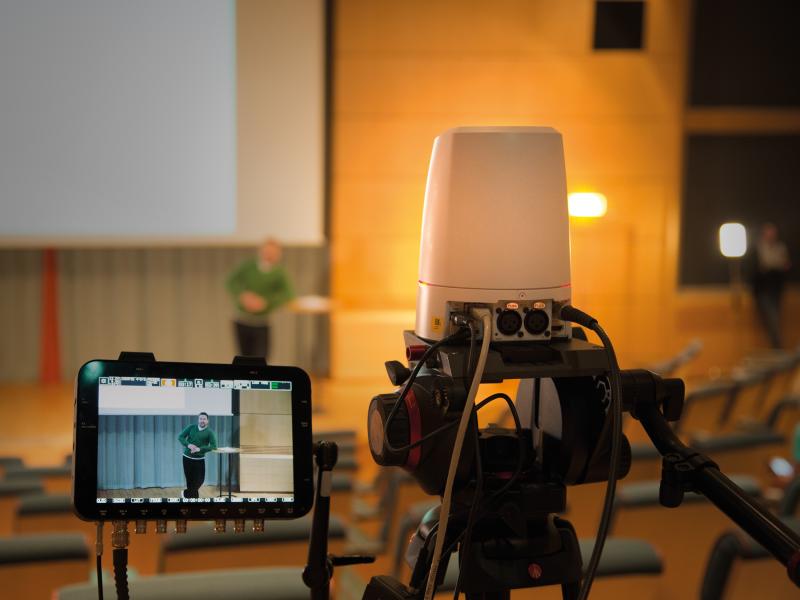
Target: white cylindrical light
587,204
732,240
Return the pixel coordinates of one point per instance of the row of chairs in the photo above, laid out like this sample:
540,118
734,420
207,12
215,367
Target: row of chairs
200,548
44,546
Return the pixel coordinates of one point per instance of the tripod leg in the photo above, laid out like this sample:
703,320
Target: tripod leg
499,595
570,591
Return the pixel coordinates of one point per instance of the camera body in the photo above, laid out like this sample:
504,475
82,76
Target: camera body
562,402
495,233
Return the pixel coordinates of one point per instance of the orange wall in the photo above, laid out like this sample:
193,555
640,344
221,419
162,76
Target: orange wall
405,71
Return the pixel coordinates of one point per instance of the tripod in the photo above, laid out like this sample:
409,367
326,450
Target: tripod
519,543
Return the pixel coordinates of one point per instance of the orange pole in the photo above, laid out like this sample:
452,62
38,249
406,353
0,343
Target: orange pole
50,351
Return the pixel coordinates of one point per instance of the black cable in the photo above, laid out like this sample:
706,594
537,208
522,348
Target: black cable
99,577
479,513
98,548
473,509
570,313
409,382
469,367
450,425
435,527
616,445
121,572
518,427
467,377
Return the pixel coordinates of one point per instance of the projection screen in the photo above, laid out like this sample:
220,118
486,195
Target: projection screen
162,122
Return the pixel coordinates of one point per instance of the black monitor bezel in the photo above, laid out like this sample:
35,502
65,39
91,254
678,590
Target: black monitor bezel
85,443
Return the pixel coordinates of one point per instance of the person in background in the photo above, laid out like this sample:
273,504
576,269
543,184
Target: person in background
259,285
197,441
772,263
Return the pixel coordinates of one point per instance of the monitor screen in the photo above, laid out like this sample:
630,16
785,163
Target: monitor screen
177,441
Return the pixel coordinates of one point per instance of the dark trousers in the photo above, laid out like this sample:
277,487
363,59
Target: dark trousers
253,340
195,472
768,303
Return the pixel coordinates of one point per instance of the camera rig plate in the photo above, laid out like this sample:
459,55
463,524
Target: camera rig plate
568,358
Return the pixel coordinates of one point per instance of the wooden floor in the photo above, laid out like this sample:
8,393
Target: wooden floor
207,491
37,425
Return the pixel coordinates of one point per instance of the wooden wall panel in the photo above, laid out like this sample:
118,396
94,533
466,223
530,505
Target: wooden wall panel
264,474
265,402
266,431
20,308
404,72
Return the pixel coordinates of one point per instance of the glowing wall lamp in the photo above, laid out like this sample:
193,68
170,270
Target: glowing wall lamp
733,246
587,204
732,240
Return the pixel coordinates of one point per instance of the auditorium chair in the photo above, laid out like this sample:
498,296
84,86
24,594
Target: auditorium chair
397,494
10,494
791,499
282,543
739,568
32,566
668,367
49,513
14,462
677,532
56,479
743,446
234,584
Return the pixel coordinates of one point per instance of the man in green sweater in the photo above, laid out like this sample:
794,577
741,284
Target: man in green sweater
197,441
259,285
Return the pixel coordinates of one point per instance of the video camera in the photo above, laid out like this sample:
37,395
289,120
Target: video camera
494,271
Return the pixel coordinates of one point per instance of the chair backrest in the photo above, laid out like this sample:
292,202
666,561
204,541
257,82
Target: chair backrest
9,461
667,367
282,543
49,513
725,389
791,498
730,549
239,584
10,494
787,405
56,479
32,566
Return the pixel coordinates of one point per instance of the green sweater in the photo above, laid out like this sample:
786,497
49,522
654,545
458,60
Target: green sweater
796,444
206,440
272,285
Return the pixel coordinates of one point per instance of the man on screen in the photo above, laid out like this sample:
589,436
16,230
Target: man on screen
197,441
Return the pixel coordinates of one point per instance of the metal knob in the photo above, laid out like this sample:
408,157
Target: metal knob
180,526
219,526
238,526
258,525
161,526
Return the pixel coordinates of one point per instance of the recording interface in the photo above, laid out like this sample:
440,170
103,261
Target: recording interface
185,441
237,384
